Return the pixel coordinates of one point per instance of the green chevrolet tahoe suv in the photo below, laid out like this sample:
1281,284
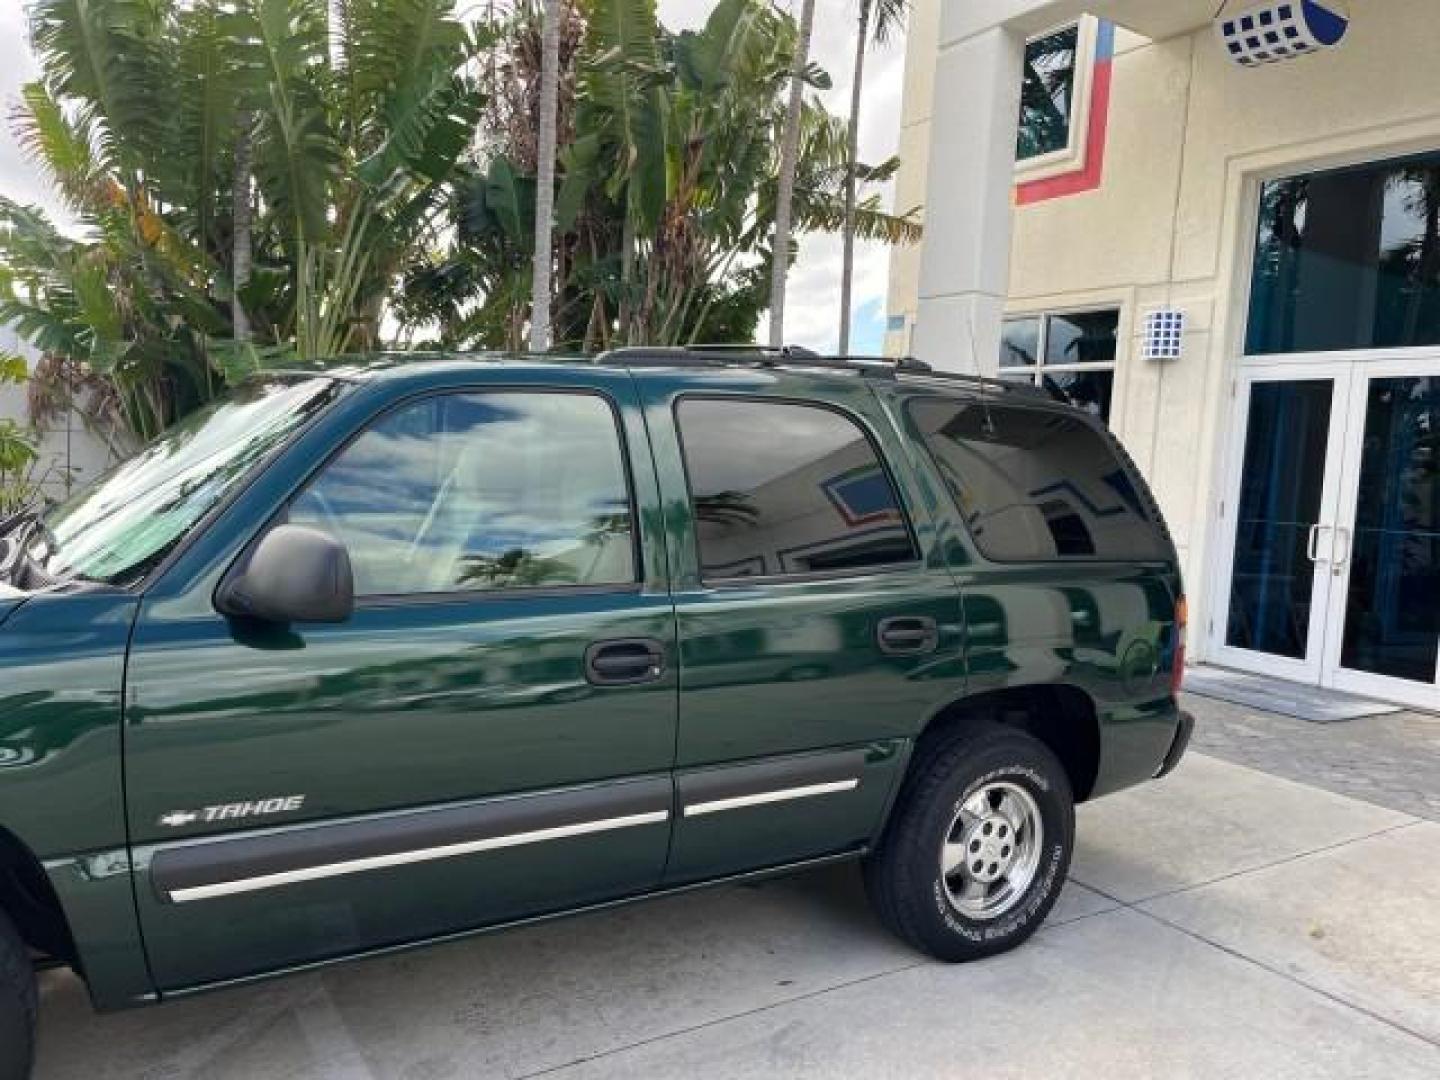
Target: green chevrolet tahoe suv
379,654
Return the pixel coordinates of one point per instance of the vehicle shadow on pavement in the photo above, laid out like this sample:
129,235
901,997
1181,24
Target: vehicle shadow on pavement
505,1003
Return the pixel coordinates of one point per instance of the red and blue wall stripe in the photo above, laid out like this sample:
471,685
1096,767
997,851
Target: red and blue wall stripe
1086,178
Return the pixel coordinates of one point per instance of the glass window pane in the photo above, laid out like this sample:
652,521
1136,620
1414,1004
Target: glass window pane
1392,611
1046,95
1348,259
1082,337
120,526
1019,343
1036,483
480,491
1272,579
779,488
1088,390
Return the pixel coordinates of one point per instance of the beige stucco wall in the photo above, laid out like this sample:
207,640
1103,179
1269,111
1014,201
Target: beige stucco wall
923,32
1190,137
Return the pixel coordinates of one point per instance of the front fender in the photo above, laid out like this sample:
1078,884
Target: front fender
62,668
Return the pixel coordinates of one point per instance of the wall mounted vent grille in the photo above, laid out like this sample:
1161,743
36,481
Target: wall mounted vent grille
1279,30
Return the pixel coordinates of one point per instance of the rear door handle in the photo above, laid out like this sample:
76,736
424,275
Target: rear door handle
624,661
905,635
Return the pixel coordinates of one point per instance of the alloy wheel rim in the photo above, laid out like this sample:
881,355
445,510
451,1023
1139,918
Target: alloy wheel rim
991,851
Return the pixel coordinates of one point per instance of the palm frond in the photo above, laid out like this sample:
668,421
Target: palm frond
298,158
62,148
105,56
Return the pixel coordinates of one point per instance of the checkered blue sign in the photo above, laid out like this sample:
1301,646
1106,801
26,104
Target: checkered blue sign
1279,30
1164,331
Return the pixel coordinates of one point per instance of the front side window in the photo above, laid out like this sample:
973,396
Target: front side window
1047,96
779,488
480,491
1348,259
1073,352
123,524
1036,484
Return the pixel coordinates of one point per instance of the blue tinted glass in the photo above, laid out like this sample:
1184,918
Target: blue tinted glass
1088,390
1020,343
1392,609
1082,337
1046,96
1348,259
1284,468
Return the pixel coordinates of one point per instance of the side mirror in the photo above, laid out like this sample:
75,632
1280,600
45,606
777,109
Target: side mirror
295,574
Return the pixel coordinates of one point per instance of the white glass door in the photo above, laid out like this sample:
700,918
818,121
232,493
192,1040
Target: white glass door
1279,537
1383,619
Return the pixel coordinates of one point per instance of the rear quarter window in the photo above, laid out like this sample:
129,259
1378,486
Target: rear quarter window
787,489
1036,484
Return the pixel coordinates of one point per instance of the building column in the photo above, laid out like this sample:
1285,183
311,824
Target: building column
965,262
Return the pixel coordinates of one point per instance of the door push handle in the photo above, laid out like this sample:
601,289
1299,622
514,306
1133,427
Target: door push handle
1341,533
1312,546
624,661
905,635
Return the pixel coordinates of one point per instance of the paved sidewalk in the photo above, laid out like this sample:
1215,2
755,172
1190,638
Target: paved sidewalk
1223,922
1391,760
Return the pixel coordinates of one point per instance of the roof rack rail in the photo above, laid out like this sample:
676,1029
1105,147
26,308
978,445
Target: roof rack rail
706,355
883,367
764,350
652,356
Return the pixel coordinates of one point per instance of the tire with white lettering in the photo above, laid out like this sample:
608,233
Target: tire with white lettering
17,1004
978,845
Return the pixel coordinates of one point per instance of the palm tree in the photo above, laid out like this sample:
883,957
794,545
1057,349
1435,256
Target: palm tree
789,153
242,241
665,209
545,178
251,176
887,16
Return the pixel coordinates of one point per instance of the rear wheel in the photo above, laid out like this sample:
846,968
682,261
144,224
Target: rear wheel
17,1004
977,848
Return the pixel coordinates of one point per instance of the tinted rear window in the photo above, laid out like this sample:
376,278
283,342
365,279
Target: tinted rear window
1036,484
780,488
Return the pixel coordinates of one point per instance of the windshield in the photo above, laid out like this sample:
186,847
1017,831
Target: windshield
118,527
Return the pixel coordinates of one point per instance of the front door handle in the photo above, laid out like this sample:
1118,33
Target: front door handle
624,661
1341,533
906,635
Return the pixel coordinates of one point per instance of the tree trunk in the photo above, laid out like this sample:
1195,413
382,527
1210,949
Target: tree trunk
627,275
240,217
785,193
545,178
852,155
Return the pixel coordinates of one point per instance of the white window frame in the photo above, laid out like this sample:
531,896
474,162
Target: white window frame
1036,371
1071,158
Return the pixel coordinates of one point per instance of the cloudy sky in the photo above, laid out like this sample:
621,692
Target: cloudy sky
811,312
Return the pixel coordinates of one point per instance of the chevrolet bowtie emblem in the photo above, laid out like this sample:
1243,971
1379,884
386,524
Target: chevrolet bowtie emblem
237,811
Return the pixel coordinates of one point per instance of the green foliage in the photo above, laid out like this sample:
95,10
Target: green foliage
19,455
666,201
139,117
264,181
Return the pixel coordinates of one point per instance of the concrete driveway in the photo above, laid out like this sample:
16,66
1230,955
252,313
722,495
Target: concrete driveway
1224,922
